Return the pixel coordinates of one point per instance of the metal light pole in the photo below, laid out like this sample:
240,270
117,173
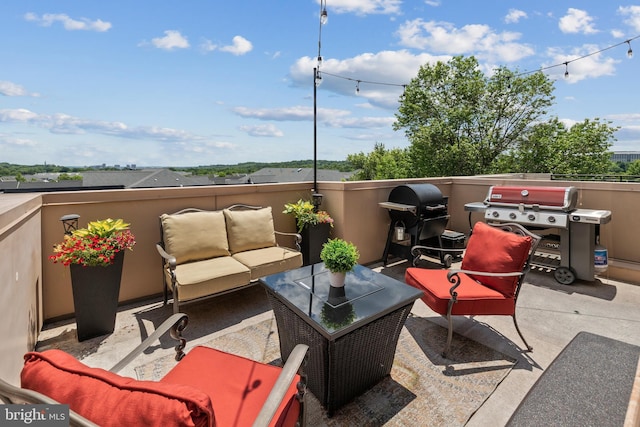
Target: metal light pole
315,130
317,79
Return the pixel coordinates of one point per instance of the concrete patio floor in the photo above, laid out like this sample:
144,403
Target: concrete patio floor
549,315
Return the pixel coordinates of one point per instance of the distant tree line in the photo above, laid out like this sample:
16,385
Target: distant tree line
250,167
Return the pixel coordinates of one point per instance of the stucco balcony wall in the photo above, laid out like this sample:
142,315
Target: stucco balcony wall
36,290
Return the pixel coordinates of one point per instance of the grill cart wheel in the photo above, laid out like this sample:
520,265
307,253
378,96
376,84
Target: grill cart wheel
564,275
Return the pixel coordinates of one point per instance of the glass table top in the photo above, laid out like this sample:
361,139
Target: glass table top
366,296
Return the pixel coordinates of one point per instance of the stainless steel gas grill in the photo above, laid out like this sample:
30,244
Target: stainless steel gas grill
419,216
569,234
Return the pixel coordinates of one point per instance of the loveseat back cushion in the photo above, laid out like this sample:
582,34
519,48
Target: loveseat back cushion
193,236
496,251
109,399
249,229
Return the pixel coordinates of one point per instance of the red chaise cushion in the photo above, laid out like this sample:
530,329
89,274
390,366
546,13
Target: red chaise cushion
109,399
238,387
473,297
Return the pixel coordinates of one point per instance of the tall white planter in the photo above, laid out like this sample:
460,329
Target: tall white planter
337,279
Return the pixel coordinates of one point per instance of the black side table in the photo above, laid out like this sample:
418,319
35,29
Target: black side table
352,333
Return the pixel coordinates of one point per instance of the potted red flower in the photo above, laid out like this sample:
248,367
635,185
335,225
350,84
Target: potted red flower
95,255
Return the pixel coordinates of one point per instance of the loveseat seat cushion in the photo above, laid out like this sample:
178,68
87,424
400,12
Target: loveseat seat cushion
238,387
210,276
193,236
109,399
266,261
249,229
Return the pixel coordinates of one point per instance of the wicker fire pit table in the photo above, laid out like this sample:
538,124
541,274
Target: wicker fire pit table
352,332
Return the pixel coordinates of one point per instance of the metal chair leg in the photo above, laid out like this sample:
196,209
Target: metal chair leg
445,352
515,322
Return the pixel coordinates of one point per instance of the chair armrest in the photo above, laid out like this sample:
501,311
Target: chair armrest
170,259
297,238
453,277
11,394
293,365
174,324
483,273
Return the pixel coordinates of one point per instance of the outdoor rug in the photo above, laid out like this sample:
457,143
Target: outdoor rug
588,384
423,389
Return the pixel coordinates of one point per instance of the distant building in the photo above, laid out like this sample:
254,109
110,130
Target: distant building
625,156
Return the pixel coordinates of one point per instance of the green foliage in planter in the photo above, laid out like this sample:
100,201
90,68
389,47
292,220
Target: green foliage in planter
339,256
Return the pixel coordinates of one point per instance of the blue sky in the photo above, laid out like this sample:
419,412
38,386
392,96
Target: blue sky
200,82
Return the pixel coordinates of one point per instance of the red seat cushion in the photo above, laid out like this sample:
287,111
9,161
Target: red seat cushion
493,250
473,297
109,399
238,387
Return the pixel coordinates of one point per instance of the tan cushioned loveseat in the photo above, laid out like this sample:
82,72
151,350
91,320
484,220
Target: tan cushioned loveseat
207,253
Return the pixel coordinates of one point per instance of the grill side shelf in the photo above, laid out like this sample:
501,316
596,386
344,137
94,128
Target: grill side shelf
398,207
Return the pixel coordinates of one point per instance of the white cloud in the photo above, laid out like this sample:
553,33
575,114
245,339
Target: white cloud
268,130
61,123
617,34
12,89
16,142
514,16
432,3
366,7
239,47
477,39
172,40
632,14
68,23
208,46
577,21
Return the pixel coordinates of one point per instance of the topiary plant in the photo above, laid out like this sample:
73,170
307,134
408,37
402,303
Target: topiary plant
339,256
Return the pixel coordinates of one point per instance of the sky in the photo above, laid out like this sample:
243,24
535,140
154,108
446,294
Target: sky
202,82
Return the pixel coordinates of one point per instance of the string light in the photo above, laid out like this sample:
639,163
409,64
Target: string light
565,63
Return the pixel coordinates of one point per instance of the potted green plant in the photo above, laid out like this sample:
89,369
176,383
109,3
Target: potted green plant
95,256
314,226
339,257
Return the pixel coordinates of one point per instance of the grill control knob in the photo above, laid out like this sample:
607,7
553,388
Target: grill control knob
495,214
551,219
512,215
531,217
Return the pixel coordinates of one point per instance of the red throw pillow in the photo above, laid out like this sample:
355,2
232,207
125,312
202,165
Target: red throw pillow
109,399
496,251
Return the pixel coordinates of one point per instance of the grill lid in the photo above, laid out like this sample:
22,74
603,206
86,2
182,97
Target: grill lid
552,198
422,196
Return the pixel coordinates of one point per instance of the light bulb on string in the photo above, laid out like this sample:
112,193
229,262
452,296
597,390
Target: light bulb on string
566,70
630,51
358,87
323,14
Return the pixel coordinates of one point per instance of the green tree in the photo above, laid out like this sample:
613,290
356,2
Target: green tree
459,121
381,164
552,147
633,168
67,177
